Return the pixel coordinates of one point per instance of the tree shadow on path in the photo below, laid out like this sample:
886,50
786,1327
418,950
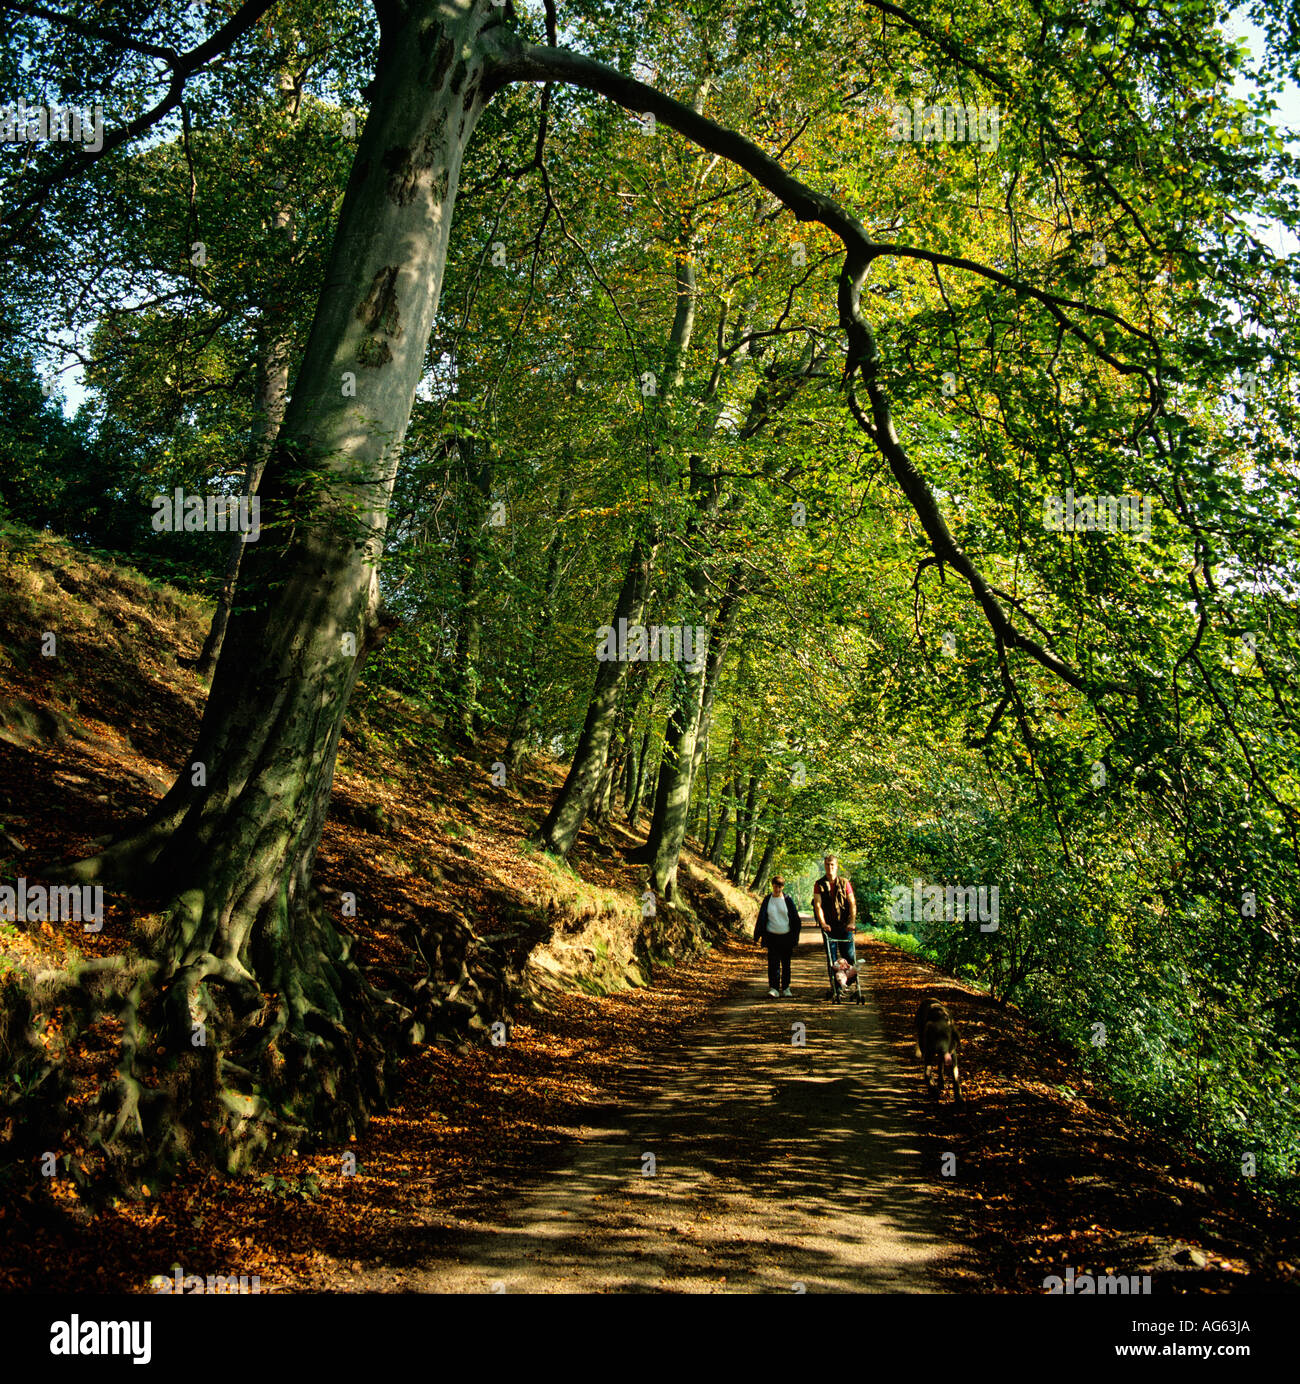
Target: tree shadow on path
762,1158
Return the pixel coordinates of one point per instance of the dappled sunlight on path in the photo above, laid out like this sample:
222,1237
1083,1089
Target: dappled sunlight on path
774,1165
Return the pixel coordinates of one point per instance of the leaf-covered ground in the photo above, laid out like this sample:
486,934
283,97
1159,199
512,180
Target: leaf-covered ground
93,735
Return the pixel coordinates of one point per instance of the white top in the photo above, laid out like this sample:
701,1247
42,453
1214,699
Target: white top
778,915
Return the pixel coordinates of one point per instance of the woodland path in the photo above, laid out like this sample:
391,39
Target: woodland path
775,1166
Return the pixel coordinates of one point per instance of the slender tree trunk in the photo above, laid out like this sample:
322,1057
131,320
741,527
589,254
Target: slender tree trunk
634,807
715,850
476,491
629,774
719,642
692,713
764,865
684,740
641,779
521,722
740,864
634,692
682,734
562,825
652,785
605,791
246,956
671,795
673,789
560,829
272,399
706,806
694,818
745,833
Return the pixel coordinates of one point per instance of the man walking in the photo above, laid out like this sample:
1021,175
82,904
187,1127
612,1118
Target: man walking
836,912
778,930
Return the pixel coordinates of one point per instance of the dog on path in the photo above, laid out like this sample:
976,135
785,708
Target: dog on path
936,1041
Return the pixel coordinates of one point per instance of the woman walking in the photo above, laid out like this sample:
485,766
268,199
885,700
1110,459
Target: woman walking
778,930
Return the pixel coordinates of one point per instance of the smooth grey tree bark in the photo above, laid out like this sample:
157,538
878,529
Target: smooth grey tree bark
246,950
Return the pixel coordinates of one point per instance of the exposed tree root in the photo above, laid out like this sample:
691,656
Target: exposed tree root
211,1064
129,855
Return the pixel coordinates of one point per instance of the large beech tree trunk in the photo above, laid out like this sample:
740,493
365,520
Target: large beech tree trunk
247,953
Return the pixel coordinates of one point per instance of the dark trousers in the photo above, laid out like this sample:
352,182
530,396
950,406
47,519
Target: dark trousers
779,950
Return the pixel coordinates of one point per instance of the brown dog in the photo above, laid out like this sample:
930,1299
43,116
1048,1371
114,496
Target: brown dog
937,1041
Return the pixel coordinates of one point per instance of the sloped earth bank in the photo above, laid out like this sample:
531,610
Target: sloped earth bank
778,1166
454,913
1048,1174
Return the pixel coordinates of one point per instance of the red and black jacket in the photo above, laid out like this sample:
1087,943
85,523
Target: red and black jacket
835,900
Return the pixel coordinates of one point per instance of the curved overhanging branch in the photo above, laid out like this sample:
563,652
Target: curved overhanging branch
880,428
182,66
515,61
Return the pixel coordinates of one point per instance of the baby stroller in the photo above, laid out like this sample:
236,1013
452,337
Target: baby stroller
845,982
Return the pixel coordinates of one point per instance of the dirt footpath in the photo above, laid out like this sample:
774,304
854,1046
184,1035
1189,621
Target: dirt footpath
752,1164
